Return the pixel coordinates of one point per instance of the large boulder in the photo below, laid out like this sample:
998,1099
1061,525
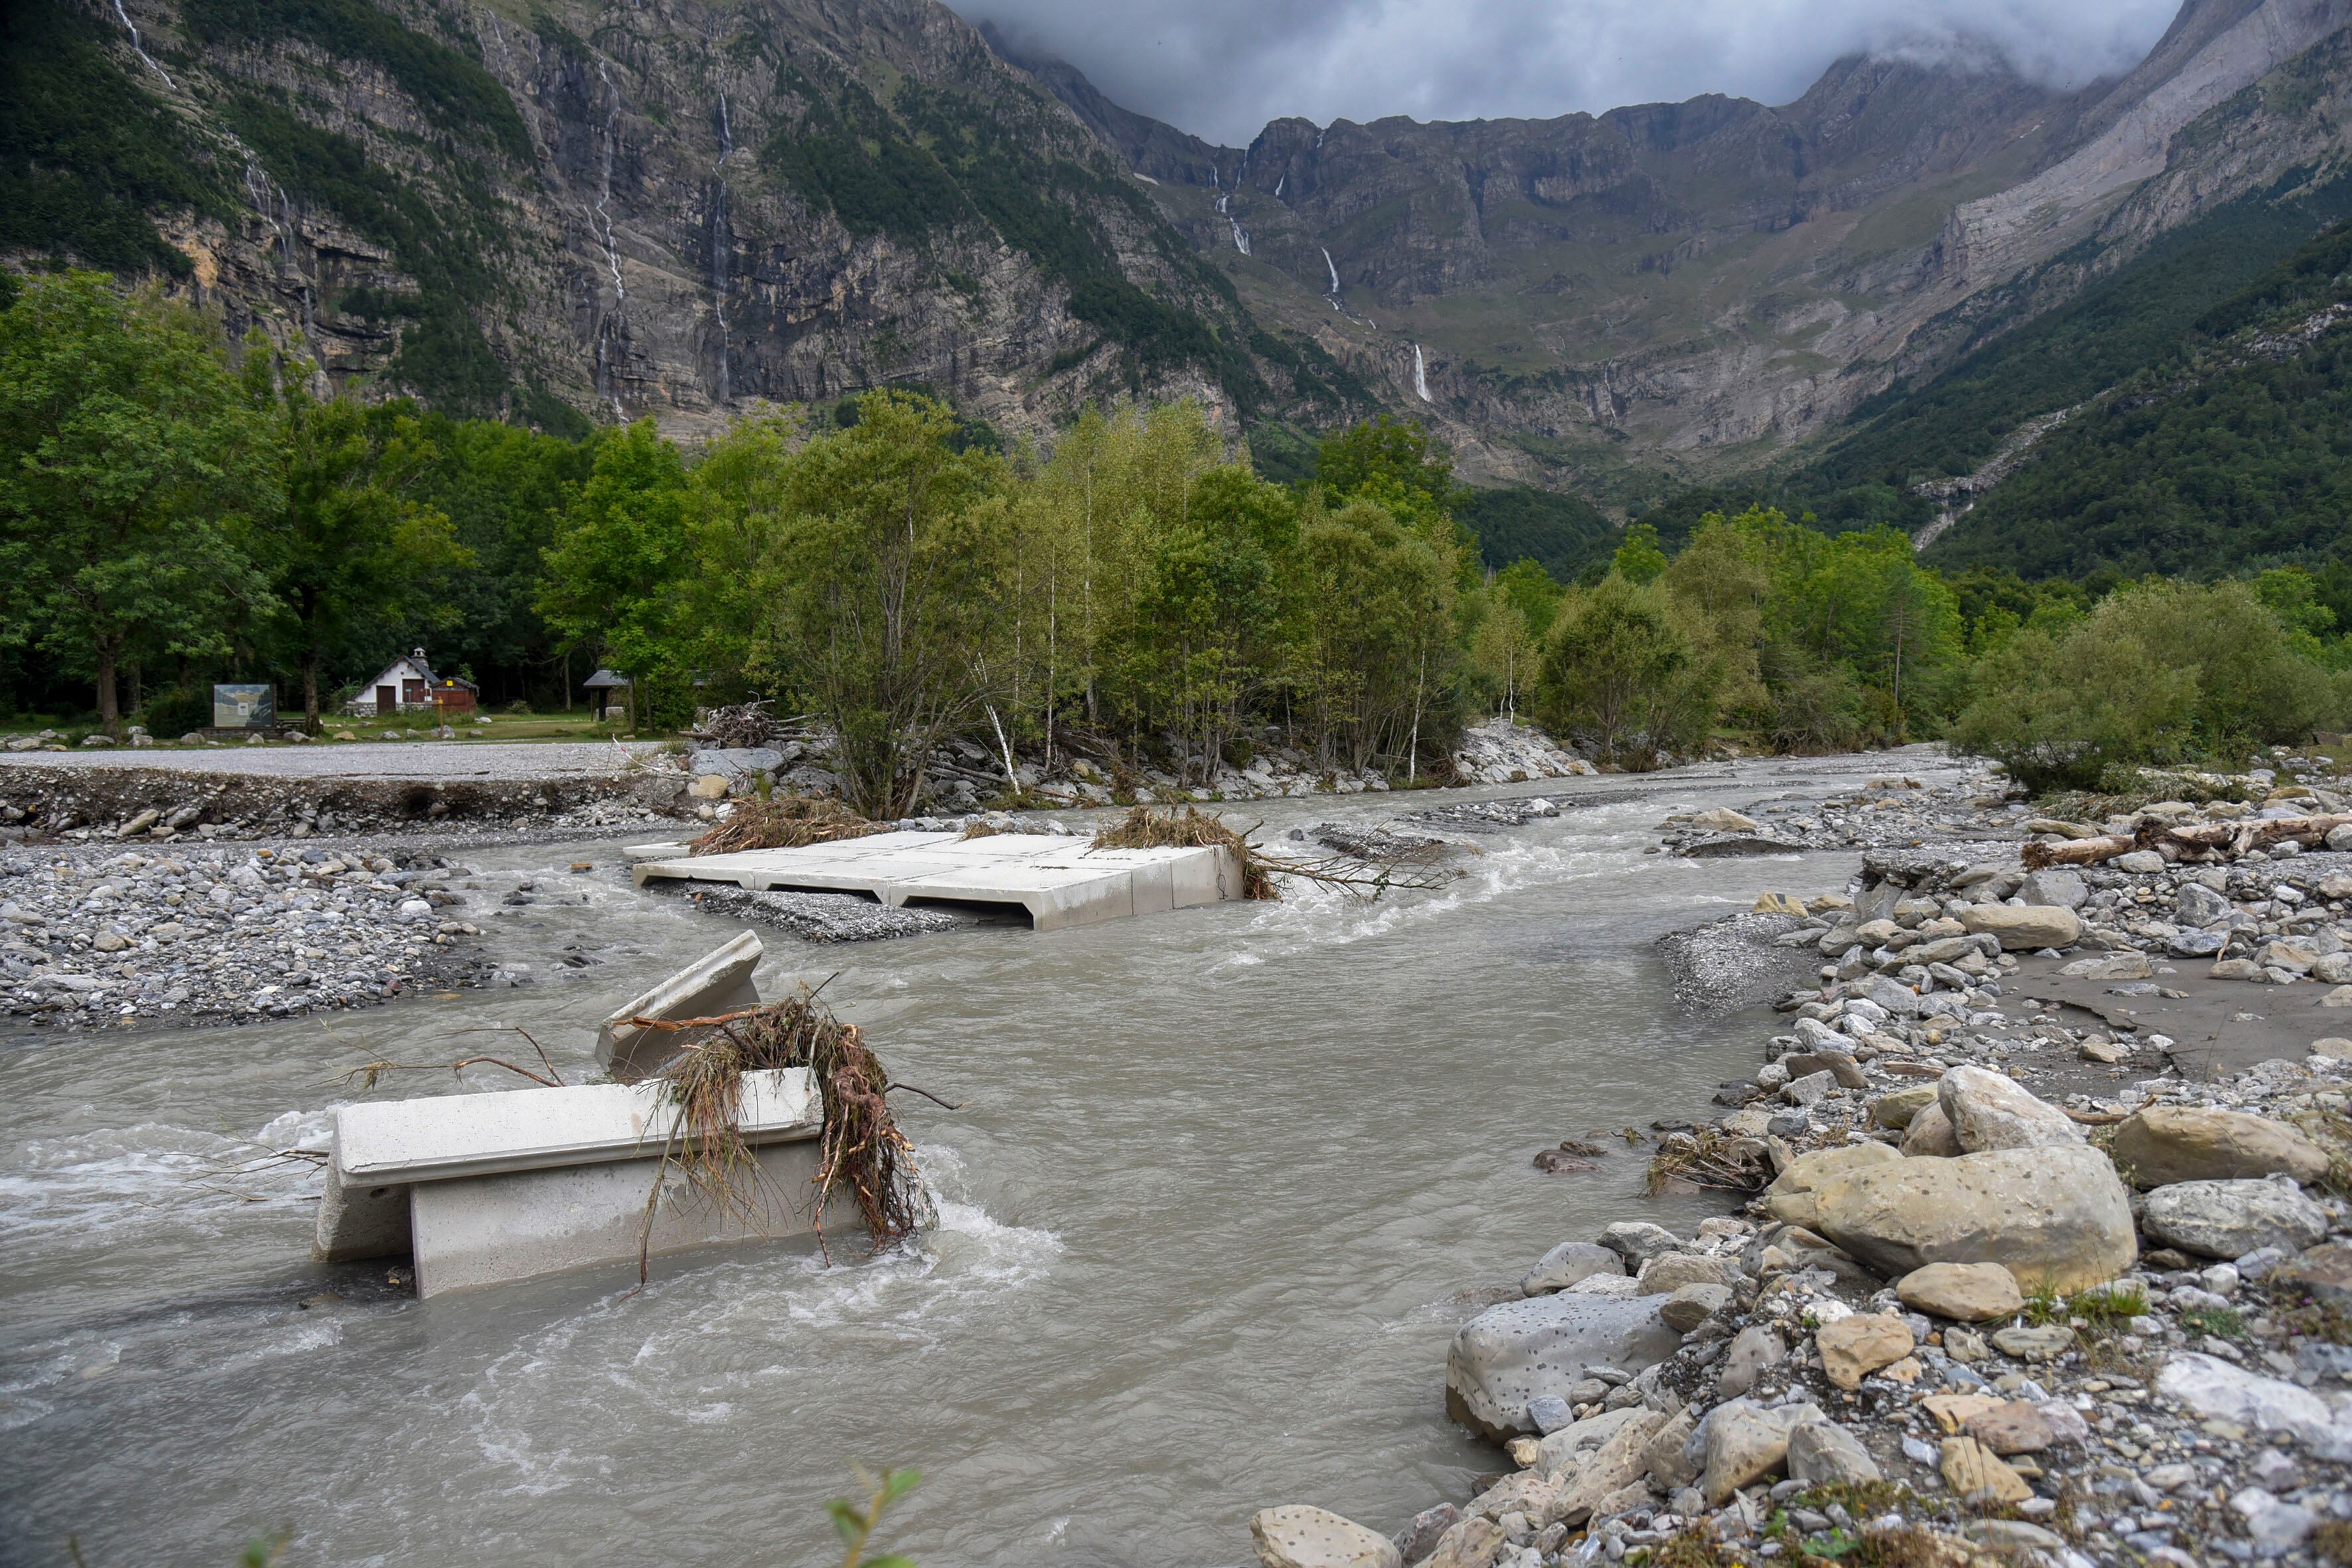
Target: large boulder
1509,1354
2055,887
1296,1536
1987,1111
1964,1292
1807,1173
1929,1134
1744,1442
1821,1453
2168,1144
2220,1392
2024,928
2055,1215
2230,1219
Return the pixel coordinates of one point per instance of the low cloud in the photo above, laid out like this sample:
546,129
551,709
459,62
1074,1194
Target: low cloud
1221,68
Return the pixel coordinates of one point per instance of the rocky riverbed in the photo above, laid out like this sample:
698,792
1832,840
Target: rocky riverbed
2043,1252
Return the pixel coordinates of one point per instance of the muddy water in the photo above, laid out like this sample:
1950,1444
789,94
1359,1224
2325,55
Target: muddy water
1225,1183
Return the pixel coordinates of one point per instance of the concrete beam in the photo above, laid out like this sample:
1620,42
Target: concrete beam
719,982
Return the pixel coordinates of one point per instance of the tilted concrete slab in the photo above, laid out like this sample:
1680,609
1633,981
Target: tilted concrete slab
719,982
1060,881
382,1153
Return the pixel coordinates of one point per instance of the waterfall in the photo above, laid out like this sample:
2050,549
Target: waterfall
1280,183
726,130
604,208
1240,235
722,249
136,50
1420,375
1320,134
1335,271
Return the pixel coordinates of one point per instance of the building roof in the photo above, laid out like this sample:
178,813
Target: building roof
605,677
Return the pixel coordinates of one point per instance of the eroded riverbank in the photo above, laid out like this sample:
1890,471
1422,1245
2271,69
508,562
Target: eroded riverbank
1227,1184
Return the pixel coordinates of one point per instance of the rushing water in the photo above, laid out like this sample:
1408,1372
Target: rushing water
1226,1182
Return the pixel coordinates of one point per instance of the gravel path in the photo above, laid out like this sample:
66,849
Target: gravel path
362,760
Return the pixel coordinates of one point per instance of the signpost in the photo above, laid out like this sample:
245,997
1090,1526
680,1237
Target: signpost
244,706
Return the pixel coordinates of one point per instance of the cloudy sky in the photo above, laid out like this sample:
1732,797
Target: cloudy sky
1221,68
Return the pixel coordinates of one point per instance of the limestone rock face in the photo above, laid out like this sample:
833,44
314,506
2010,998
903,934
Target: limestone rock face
2168,1144
1511,1353
2024,928
2230,1219
1964,1292
1295,1536
1987,1111
2056,1214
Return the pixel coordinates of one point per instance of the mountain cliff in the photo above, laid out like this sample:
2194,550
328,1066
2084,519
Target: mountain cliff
566,210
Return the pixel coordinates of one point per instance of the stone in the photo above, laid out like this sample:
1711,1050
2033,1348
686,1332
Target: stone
2105,1052
1666,1461
1473,1543
1897,1108
1511,1353
2199,905
2026,927
1670,1271
1692,1305
96,741
2333,968
2056,887
1638,1241
2055,1215
1953,1412
1978,1475
1965,1292
1855,1347
2230,1219
1721,819
1809,1091
2139,862
2168,1144
1753,1349
2339,997
2046,1342
2324,1273
709,786
1808,1172
1822,1454
109,942
2273,1525
1966,1345
1296,1536
1419,1538
1990,1112
1561,1455
2218,1391
1551,1413
2011,1426
1929,1135
1567,1262
1744,1442
1837,1062
1530,1492
2130,964
1617,1464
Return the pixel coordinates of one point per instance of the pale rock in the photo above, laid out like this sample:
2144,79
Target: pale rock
1418,1539
2057,887
1665,1461
1753,1349
1509,1354
1822,1454
1296,1536
1638,1241
1990,1112
1855,1347
1562,1454
2230,1219
2026,927
1617,1464
1965,1292
1808,1172
1722,819
1530,1492
2218,1391
1744,1442
2040,1342
1566,1264
2055,1215
1978,1475
2129,965
2199,905
2139,862
1692,1305
1473,1543
2271,1524
1670,1271
1929,1135
2012,1426
1810,1090
1898,1106
2168,1144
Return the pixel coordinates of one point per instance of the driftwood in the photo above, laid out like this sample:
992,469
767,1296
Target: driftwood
2198,843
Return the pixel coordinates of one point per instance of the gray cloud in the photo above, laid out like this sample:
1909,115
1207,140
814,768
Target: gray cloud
1221,68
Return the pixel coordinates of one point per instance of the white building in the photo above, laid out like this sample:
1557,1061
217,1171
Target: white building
409,685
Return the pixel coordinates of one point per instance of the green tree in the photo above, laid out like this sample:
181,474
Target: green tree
1639,559
1527,588
891,554
351,546
2065,710
1622,676
619,547
131,467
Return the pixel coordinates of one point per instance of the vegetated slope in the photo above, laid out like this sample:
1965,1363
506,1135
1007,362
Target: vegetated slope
2233,450
2134,316
1561,534
624,210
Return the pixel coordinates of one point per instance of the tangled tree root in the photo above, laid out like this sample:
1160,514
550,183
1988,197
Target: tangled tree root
1710,1157
788,822
1192,828
862,1152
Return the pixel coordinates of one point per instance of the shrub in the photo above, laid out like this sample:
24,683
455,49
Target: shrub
171,713
2064,710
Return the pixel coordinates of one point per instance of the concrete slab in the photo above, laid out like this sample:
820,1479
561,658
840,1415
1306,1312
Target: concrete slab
2217,1026
382,1150
1060,881
493,1230
719,982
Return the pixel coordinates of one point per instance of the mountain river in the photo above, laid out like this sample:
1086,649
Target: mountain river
1225,1185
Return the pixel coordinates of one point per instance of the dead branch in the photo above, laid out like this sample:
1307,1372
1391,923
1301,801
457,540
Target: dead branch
366,1075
